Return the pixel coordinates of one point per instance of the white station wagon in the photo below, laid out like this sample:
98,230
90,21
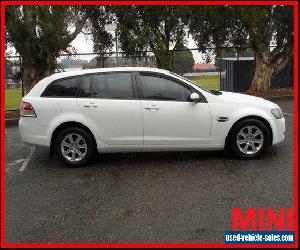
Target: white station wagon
143,109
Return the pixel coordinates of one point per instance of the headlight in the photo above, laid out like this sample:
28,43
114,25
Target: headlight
277,113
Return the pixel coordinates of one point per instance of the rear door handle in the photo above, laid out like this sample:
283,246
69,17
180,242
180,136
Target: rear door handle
154,107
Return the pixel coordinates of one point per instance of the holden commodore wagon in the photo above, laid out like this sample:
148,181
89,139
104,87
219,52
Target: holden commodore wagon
78,113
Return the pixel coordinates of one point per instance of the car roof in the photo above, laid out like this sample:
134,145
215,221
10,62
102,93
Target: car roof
100,70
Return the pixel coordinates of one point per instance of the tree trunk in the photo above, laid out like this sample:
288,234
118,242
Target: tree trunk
261,83
33,73
30,76
158,61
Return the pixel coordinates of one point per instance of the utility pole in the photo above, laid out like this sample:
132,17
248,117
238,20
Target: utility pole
117,55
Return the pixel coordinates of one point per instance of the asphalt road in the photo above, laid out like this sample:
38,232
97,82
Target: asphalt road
140,197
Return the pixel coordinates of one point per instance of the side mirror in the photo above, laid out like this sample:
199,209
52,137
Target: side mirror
195,97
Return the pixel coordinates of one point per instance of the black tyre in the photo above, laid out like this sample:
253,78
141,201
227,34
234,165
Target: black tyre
249,139
74,146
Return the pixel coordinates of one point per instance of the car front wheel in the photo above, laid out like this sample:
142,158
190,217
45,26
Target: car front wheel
250,138
74,147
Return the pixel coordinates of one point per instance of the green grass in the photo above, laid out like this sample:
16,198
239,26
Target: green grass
13,98
207,82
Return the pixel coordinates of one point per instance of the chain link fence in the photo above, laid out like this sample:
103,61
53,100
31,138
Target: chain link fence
228,69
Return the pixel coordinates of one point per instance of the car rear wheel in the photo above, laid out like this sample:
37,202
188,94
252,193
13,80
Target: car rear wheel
74,147
249,139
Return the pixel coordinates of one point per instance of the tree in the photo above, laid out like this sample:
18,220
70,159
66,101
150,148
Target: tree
144,28
253,27
8,69
102,40
39,34
183,60
12,70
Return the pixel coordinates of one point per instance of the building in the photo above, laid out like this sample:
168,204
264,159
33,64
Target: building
113,61
73,63
203,67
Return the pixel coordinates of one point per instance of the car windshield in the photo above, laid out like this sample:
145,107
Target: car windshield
213,92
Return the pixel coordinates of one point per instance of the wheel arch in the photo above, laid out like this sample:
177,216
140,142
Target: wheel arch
268,125
65,125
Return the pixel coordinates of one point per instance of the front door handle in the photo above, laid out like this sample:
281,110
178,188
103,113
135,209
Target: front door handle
154,107
90,105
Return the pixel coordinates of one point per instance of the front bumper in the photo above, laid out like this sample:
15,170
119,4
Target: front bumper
278,129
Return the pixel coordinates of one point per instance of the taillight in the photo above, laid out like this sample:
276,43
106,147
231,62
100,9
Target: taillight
27,110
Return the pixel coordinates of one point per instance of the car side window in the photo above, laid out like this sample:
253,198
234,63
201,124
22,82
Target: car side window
159,88
112,86
85,90
67,87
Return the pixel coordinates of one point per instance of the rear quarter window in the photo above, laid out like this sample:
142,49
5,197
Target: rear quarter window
67,87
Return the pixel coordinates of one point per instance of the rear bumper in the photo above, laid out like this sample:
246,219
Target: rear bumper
32,133
278,129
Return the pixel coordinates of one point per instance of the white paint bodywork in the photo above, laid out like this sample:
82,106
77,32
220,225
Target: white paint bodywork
126,125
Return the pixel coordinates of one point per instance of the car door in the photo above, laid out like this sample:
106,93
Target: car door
169,116
109,104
